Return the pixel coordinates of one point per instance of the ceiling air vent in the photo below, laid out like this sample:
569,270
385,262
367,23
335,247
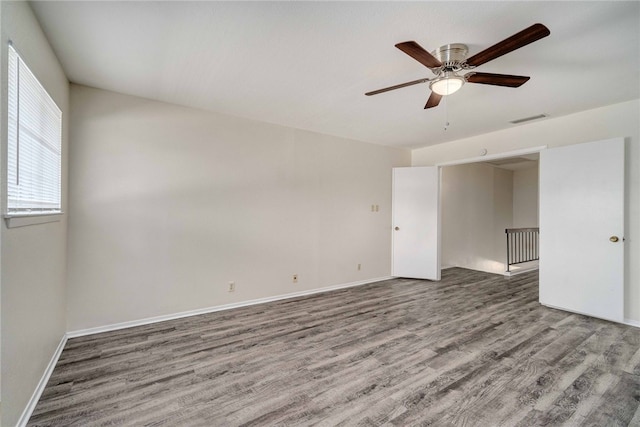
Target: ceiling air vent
528,119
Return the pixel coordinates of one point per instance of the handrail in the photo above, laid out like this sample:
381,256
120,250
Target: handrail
522,245
520,230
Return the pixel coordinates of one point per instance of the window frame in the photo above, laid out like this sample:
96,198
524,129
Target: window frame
34,210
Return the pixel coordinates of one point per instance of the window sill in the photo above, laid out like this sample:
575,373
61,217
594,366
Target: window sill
14,221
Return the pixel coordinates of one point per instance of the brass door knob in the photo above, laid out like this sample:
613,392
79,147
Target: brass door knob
397,228
614,239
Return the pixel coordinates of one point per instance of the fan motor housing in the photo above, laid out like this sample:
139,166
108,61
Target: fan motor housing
451,55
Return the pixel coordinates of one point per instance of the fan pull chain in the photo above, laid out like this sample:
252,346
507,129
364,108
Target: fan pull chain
446,113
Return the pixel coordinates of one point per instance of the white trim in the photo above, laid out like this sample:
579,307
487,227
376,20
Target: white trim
516,272
31,405
14,220
504,155
630,322
156,319
35,397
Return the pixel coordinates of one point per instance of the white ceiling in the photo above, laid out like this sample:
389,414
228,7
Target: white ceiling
308,64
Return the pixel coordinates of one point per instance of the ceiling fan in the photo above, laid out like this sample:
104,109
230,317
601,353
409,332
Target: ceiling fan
448,61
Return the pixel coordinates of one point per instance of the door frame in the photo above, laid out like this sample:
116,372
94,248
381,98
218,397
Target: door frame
503,155
481,159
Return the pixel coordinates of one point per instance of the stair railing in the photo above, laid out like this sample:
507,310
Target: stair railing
522,245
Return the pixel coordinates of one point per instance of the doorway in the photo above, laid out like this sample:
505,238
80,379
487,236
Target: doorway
581,214
479,202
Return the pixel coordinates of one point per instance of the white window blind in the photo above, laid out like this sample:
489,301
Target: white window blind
34,144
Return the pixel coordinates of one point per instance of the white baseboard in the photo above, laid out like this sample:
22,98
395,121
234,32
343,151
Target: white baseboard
31,405
33,401
156,319
516,272
628,322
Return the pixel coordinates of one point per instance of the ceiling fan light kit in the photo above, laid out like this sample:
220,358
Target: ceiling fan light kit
449,60
448,84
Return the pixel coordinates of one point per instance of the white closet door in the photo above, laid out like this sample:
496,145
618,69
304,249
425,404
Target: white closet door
415,228
582,228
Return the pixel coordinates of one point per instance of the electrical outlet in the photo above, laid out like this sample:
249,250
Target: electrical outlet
359,267
377,208
232,286
373,208
295,278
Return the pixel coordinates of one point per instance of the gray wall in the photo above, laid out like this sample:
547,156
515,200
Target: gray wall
168,204
33,262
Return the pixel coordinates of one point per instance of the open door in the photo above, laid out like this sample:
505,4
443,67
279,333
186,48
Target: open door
415,223
582,228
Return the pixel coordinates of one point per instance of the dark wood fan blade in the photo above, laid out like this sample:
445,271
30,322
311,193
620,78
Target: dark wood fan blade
516,41
433,100
416,51
497,79
401,85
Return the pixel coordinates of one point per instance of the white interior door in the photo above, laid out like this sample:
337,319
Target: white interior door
581,215
416,228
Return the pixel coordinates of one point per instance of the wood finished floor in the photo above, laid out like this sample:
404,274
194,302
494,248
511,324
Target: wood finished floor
474,349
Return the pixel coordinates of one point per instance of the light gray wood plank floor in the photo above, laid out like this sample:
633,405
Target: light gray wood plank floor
474,349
